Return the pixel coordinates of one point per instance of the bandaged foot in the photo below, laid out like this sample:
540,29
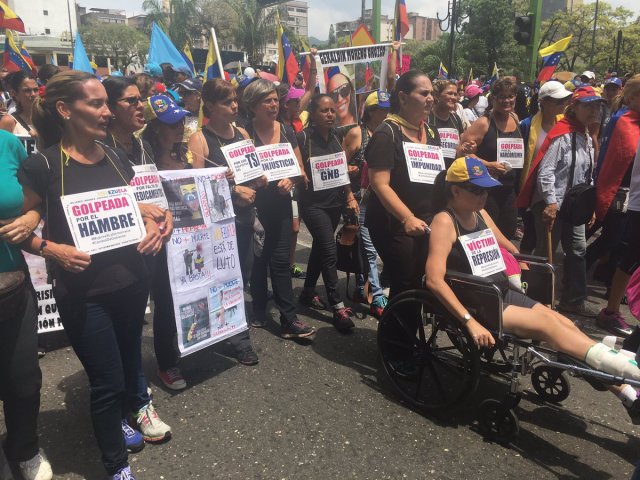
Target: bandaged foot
611,361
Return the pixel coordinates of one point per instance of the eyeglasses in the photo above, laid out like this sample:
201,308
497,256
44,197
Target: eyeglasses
131,100
473,189
505,97
343,90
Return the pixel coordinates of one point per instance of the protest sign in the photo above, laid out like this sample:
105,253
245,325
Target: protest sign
511,151
483,253
29,143
424,162
147,186
103,220
329,171
243,160
202,256
278,161
352,55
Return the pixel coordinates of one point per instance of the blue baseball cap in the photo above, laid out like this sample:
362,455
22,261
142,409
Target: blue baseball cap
153,69
472,170
379,98
164,109
613,81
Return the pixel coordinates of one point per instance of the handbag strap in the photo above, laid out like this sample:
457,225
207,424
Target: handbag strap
573,161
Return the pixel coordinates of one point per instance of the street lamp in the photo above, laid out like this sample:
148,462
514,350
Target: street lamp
593,36
452,20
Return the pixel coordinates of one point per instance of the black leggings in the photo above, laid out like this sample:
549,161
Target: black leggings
322,223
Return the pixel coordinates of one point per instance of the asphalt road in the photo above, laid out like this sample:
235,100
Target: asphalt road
326,411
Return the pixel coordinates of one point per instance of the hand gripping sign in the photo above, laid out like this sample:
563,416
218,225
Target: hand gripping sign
483,253
243,161
278,161
424,162
511,151
103,220
329,171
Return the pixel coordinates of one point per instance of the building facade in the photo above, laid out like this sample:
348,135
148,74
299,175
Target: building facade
102,15
423,28
420,28
297,20
550,7
46,17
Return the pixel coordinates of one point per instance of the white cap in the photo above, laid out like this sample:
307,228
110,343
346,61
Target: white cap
589,74
553,89
249,72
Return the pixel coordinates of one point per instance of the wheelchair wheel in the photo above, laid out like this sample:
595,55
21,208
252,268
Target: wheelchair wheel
551,383
497,422
429,357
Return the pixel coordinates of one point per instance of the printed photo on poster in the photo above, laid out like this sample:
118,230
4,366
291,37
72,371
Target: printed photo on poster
219,197
227,305
184,202
341,88
194,318
191,259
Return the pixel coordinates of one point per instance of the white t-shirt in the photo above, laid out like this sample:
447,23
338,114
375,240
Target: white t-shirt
634,187
541,138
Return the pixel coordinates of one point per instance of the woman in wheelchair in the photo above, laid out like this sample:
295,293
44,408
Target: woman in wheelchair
465,238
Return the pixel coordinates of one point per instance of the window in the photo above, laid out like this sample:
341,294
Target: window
47,31
301,10
45,12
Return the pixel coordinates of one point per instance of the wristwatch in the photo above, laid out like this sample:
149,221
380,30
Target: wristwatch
466,317
43,245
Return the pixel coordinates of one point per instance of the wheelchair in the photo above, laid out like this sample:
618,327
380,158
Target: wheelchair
434,364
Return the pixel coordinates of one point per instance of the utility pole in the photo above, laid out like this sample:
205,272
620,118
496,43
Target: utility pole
375,20
364,6
536,9
452,21
618,45
593,36
70,24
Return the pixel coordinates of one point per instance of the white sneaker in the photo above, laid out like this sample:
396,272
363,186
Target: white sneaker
5,469
152,428
38,468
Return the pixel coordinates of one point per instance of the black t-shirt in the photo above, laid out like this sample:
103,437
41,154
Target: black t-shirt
454,122
385,152
141,151
311,141
109,271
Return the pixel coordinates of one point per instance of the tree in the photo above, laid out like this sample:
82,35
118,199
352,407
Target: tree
253,27
332,36
121,43
179,22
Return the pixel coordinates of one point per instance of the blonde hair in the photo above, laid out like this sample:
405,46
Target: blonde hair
63,87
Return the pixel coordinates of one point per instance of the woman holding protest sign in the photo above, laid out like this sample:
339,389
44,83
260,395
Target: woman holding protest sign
208,147
496,139
321,205
404,157
23,88
280,158
101,297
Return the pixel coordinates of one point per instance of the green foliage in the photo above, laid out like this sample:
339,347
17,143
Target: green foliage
252,27
123,44
179,22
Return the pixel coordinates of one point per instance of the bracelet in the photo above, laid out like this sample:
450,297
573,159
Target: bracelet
404,220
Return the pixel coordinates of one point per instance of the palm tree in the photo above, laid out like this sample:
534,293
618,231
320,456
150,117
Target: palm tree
255,26
179,22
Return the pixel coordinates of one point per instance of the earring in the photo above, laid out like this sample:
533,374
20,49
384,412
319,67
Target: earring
66,118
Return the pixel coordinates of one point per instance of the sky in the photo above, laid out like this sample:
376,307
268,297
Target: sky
325,12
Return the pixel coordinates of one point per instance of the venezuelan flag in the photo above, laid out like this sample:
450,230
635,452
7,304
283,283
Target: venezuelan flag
211,68
560,46
287,64
549,65
402,20
494,76
15,58
442,71
186,54
9,20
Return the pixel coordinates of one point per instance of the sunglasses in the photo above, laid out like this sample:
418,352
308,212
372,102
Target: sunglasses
131,100
344,91
473,189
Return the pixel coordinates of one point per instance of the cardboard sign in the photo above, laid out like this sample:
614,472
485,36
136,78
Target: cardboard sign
483,253
243,161
48,316
329,171
511,151
278,161
449,141
103,220
147,186
424,162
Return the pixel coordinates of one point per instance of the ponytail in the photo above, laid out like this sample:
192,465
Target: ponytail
63,87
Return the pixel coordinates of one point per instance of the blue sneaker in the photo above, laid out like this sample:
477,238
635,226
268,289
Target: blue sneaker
123,474
133,438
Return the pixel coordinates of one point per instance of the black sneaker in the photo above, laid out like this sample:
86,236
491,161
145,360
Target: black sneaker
342,320
312,301
247,356
297,272
258,320
634,411
296,329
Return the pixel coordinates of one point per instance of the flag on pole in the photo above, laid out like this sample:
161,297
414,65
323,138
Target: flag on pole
494,76
9,20
213,66
161,50
549,65
287,64
16,58
186,54
305,66
80,59
560,46
401,27
442,71
470,77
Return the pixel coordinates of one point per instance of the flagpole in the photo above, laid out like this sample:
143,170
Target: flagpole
214,39
70,24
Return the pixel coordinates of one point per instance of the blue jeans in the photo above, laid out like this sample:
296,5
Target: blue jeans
574,245
106,334
372,256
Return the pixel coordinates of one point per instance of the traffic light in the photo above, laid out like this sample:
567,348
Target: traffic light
523,31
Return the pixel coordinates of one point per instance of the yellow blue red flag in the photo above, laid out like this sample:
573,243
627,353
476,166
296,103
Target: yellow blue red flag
16,58
9,20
